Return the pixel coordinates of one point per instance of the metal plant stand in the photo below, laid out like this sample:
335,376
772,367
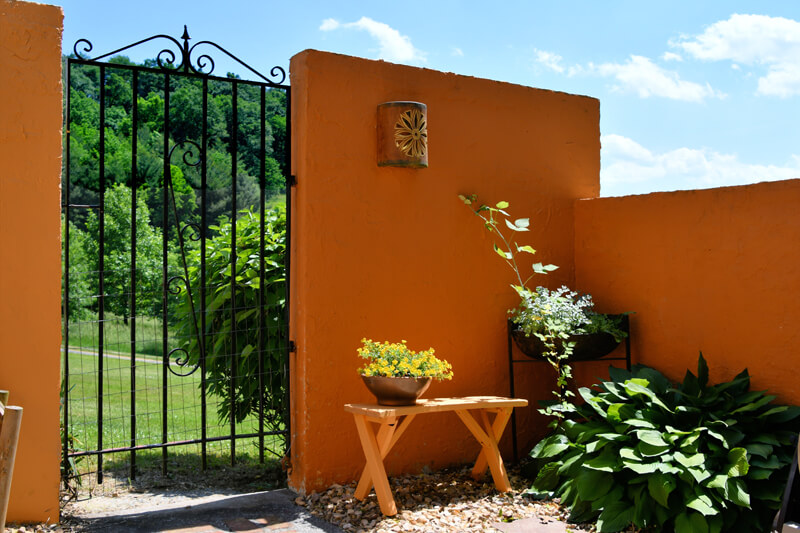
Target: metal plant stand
512,362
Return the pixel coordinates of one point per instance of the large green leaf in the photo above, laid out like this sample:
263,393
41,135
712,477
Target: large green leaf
772,462
595,445
651,437
646,449
690,460
641,468
718,481
690,523
550,446
703,504
702,371
762,450
660,486
759,473
737,462
737,494
636,422
608,461
753,406
547,478
780,415
630,454
615,517
766,438
593,484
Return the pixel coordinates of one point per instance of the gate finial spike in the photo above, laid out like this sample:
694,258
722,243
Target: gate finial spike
185,35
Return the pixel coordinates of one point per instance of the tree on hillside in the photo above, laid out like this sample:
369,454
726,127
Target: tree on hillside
117,253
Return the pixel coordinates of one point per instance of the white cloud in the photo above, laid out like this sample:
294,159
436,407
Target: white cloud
781,80
549,60
393,46
628,167
329,24
640,75
761,40
458,52
671,56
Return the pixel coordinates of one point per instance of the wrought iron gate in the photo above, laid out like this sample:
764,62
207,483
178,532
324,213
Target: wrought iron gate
175,266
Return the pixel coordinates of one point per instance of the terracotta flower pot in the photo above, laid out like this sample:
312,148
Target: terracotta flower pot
396,390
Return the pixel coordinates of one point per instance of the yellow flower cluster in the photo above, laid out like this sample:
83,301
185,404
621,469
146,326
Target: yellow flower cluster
396,360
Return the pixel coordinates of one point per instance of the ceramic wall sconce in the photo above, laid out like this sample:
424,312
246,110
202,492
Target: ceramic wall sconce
403,134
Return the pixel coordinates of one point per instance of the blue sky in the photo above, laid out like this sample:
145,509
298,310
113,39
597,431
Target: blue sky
692,94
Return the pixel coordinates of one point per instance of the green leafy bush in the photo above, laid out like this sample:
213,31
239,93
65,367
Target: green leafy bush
219,340
691,457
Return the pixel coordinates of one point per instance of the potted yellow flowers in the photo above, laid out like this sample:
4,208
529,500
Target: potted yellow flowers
397,375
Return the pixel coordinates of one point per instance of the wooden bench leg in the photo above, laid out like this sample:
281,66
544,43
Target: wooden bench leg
375,466
388,434
490,450
497,428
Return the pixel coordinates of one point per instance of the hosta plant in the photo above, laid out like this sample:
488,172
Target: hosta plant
688,457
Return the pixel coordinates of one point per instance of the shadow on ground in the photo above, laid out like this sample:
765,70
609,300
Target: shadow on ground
269,508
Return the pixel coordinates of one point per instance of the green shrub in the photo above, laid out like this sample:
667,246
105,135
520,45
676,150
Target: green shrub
219,341
690,457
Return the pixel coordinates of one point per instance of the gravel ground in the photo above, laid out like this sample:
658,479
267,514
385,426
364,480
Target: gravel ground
444,501
448,500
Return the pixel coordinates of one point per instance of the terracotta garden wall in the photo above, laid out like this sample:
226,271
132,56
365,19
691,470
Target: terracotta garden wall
30,273
391,253
713,270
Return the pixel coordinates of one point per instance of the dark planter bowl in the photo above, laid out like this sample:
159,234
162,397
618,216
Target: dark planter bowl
396,391
587,347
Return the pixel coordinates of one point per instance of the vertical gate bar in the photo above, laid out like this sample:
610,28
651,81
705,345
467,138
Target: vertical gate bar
134,147
234,139
261,289
289,181
65,246
101,271
203,413
164,277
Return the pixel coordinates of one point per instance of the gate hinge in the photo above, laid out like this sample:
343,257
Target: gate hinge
292,347
292,180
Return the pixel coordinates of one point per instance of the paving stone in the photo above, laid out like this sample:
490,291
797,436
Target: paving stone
531,525
242,524
207,528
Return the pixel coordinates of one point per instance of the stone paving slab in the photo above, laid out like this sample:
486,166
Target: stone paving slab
261,512
531,525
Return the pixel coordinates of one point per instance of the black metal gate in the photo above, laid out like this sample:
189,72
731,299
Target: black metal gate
175,258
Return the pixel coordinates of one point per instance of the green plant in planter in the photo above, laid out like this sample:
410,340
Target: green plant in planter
552,316
690,457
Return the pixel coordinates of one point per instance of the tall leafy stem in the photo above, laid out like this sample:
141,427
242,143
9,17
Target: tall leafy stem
556,356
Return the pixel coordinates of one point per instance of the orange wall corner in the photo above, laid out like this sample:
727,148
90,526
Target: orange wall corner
30,255
714,270
391,253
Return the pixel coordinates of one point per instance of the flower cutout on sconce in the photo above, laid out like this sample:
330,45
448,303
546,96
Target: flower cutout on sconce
411,133
402,134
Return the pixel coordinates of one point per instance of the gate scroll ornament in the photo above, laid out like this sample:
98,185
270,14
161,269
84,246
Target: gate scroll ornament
166,57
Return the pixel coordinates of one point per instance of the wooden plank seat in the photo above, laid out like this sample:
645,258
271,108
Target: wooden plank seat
380,427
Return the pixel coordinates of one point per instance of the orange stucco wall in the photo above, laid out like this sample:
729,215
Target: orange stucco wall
391,253
30,247
713,270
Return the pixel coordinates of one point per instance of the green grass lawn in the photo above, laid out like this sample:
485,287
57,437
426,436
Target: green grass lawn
117,335
183,405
